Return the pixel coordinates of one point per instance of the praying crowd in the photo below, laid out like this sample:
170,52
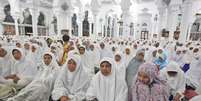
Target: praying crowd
93,69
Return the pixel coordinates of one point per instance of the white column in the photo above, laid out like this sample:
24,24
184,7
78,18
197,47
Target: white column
80,25
162,20
35,14
95,31
80,28
15,17
91,34
58,15
173,12
185,23
69,21
1,20
125,6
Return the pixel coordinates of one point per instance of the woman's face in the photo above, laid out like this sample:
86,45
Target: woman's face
105,68
18,45
127,51
33,49
172,73
117,58
160,51
140,56
26,46
2,52
82,50
178,52
143,77
47,59
71,65
17,54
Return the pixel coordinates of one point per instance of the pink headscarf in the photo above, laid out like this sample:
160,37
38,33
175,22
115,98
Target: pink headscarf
156,90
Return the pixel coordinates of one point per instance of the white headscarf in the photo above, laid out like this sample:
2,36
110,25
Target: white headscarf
71,84
177,83
193,74
40,88
5,67
24,69
107,88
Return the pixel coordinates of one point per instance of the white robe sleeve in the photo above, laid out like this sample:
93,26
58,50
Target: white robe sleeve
122,92
181,85
91,92
59,90
4,81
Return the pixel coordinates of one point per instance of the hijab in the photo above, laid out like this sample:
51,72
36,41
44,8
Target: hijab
155,90
176,83
132,68
71,83
107,88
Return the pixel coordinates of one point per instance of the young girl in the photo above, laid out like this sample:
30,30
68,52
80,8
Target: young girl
106,84
40,88
148,86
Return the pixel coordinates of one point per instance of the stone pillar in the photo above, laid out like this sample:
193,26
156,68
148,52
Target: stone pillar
162,20
80,25
116,30
173,11
95,5
95,32
125,6
35,13
15,12
1,20
62,22
15,17
69,21
91,34
185,23
57,14
172,20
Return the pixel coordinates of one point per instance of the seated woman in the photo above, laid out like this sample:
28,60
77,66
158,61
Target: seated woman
5,65
40,88
106,85
176,80
72,82
148,86
22,73
161,60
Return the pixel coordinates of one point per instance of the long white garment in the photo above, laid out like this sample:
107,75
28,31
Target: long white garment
36,55
193,75
121,65
110,88
40,88
150,57
178,83
196,98
24,69
128,57
105,53
57,50
93,59
5,67
86,62
71,84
